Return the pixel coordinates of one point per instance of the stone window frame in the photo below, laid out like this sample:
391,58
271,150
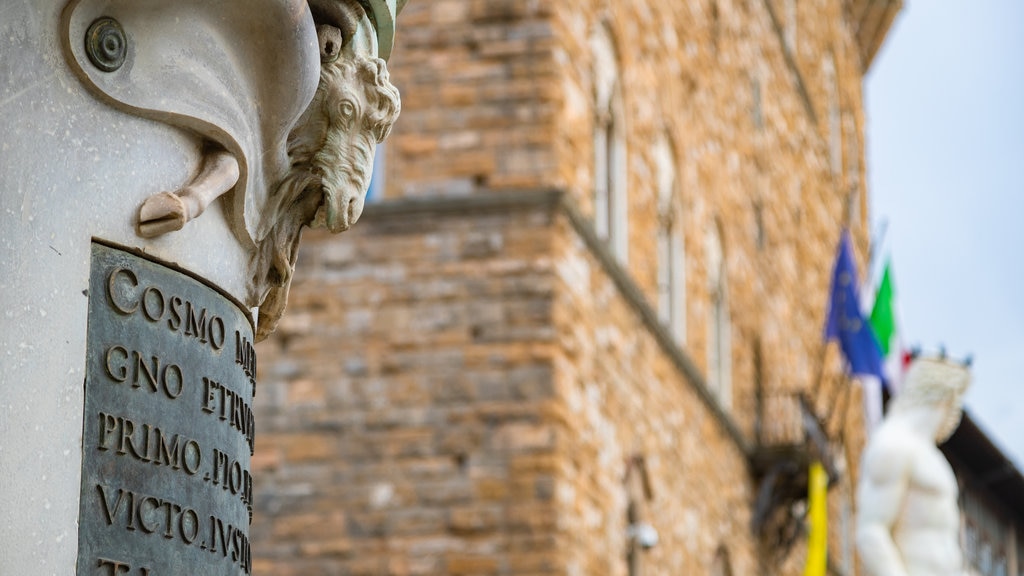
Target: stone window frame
611,208
719,321
671,247
791,26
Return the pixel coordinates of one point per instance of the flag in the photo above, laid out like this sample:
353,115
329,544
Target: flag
817,513
883,324
844,321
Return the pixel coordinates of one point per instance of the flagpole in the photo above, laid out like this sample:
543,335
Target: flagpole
845,323
846,383
820,372
846,404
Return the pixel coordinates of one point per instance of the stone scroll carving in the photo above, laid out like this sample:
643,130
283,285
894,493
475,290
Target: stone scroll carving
289,97
236,74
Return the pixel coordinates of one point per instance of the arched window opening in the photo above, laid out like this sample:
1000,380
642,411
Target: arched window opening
719,324
610,205
671,255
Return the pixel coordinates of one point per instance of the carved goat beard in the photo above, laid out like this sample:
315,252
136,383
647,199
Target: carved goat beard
324,188
317,188
273,263
344,166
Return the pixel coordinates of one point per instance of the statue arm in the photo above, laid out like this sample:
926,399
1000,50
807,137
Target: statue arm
881,493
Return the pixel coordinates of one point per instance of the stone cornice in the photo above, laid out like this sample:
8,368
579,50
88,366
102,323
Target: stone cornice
870,21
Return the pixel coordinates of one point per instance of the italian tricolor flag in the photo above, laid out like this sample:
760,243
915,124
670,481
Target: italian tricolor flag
883,324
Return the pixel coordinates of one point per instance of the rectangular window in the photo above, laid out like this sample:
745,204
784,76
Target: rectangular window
719,330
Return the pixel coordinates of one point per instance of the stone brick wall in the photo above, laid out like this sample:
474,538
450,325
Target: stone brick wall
624,396
760,170
499,95
476,78
403,404
462,383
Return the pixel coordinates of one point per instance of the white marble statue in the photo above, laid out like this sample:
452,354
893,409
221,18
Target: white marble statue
908,521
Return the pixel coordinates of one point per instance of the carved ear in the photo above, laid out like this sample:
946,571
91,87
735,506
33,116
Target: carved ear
342,15
331,41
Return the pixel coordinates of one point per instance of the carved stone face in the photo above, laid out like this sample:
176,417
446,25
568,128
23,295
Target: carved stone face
344,162
353,109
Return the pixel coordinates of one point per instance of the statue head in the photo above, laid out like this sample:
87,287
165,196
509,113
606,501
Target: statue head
935,384
353,110
331,148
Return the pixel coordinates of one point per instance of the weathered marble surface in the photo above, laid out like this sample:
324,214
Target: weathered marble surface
80,152
71,168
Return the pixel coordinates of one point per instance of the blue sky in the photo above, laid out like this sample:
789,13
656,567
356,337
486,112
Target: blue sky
945,140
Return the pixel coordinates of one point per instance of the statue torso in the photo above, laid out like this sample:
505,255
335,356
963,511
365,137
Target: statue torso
927,532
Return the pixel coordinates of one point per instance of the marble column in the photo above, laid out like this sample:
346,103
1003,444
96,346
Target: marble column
113,112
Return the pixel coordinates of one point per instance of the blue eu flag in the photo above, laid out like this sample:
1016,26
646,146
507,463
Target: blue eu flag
845,321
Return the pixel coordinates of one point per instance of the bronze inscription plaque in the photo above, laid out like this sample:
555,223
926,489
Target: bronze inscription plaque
168,429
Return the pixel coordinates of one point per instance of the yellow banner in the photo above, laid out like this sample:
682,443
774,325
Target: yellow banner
817,513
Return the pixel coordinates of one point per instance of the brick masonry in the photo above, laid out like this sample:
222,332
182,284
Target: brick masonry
406,403
459,384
